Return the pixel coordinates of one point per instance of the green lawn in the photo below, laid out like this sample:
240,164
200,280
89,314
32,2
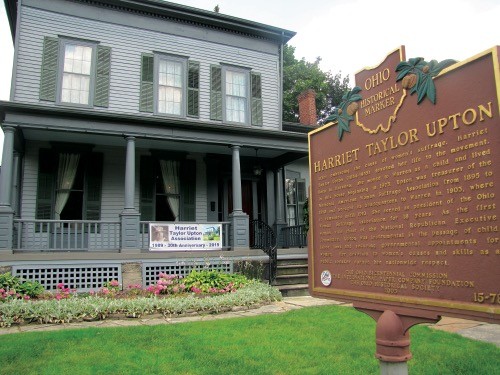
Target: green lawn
317,340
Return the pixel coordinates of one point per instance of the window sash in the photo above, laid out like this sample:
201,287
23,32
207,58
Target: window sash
77,73
236,96
170,86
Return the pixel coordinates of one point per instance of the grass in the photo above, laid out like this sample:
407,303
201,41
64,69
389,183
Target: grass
317,340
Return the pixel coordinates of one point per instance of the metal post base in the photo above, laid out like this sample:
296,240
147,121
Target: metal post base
393,368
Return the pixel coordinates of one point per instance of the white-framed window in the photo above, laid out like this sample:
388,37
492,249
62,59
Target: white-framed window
236,95
170,86
77,72
295,193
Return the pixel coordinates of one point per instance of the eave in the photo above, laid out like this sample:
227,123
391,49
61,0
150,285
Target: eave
181,13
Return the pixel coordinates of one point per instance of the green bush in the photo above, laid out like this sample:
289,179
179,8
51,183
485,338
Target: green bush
7,281
13,287
213,281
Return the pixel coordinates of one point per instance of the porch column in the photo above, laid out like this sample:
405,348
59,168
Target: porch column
6,212
239,220
130,217
237,201
279,206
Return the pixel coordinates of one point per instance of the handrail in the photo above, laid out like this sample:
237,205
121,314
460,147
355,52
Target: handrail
66,235
294,236
263,237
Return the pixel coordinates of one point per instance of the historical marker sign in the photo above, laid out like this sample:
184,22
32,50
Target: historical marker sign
405,188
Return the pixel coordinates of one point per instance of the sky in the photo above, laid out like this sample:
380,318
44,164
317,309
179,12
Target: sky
348,34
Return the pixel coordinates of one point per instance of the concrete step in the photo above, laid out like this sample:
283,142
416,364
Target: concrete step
291,269
301,278
290,262
294,290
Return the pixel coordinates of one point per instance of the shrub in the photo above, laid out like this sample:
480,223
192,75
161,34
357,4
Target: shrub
12,287
214,282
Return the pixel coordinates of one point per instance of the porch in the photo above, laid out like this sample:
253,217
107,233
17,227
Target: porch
84,255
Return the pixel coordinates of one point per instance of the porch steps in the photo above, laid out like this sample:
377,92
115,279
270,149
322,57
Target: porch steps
292,276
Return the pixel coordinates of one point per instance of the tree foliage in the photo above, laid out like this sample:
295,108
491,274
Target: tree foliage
300,75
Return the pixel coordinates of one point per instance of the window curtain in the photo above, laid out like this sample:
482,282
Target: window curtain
68,164
171,183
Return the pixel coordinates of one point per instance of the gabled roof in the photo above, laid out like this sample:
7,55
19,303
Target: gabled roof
180,13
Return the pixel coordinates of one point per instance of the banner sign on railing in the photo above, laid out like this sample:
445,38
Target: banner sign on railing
184,237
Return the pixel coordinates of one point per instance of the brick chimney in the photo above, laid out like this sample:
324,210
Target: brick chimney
307,107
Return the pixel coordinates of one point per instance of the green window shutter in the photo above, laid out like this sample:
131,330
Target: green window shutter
188,190
146,185
147,83
101,97
256,99
48,74
215,93
193,89
93,187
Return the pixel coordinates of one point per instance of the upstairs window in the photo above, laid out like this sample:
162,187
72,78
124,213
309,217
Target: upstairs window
75,72
235,95
169,85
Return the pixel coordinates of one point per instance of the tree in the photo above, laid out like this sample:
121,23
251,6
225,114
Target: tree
300,75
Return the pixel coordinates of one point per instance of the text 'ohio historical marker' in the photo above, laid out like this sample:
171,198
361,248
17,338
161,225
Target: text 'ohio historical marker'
405,188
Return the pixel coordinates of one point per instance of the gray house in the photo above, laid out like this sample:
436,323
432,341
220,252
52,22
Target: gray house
129,113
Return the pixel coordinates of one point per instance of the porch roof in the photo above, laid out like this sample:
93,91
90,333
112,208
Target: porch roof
75,123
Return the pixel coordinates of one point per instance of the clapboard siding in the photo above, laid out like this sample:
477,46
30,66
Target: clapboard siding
201,188
113,180
127,44
29,179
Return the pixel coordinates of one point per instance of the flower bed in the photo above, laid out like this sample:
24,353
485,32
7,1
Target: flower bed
170,296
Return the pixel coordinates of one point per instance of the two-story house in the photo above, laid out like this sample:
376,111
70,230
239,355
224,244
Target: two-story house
125,113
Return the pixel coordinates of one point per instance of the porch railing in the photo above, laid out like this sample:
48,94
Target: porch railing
144,232
66,235
263,237
294,236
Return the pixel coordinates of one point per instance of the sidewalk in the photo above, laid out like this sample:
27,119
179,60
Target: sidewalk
467,328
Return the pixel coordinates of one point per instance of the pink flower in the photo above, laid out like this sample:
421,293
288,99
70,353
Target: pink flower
26,297
92,293
60,285
114,283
